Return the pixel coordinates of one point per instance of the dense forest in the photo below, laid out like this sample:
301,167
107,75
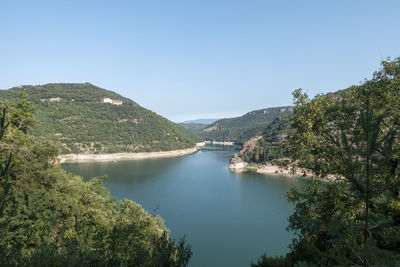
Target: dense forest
352,137
52,218
71,114
241,129
269,145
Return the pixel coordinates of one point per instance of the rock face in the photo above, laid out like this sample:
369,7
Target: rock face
237,164
249,145
200,144
272,168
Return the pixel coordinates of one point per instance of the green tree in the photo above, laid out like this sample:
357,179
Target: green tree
51,218
351,138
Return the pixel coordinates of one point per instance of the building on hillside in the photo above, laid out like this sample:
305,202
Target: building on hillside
106,100
117,102
111,101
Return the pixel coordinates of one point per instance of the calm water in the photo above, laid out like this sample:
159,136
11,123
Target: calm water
229,219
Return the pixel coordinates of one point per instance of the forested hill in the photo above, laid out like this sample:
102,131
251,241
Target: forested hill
194,127
71,114
241,129
268,145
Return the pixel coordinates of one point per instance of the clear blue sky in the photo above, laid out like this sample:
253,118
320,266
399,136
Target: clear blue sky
193,59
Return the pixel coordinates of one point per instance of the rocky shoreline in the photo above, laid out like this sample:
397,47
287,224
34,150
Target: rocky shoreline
272,169
74,158
238,165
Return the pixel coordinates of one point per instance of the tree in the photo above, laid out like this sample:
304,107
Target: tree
353,136
15,120
349,214
51,218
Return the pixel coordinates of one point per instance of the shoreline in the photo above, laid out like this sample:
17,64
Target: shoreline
273,169
269,169
86,157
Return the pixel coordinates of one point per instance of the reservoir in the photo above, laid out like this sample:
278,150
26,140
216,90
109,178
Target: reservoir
229,219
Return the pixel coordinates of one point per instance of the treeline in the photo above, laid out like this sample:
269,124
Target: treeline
52,218
352,138
72,115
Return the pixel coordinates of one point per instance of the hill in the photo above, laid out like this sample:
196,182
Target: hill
71,114
197,125
194,127
267,145
53,218
200,121
241,129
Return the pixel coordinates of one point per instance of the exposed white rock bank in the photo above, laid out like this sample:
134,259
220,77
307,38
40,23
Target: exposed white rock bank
237,164
72,158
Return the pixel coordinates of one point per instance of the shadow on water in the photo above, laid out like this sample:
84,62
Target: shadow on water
136,171
229,219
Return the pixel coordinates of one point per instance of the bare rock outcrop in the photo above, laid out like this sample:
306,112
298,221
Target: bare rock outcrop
237,164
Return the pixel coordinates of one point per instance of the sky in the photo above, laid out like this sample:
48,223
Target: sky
198,59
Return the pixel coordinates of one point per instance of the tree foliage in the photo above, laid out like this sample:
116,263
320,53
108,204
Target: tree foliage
51,218
353,137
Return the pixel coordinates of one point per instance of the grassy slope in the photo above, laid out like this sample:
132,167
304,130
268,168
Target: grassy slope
82,124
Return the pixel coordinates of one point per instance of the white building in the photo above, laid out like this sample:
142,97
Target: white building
117,102
111,101
106,100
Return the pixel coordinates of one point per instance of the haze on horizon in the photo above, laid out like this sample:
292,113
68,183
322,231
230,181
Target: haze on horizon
206,59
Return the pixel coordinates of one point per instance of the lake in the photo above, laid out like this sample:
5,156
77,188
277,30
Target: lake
229,219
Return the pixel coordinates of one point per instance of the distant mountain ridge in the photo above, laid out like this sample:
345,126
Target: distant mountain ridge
194,127
200,121
72,115
240,129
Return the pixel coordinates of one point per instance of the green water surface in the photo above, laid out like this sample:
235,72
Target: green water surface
229,219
